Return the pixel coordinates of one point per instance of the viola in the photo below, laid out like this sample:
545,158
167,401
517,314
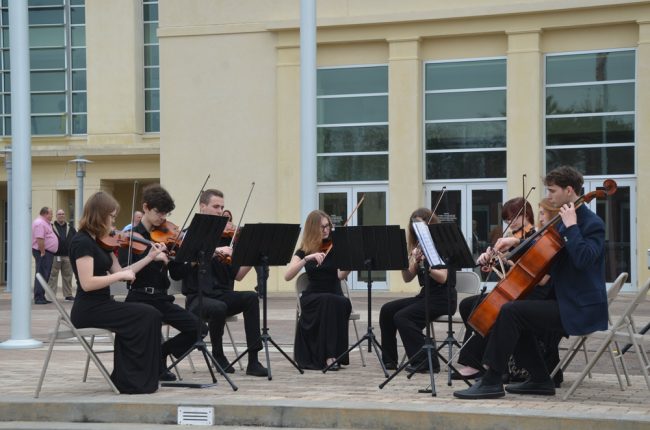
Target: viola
168,234
530,268
523,232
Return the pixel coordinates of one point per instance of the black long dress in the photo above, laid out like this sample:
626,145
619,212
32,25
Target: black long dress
136,360
322,330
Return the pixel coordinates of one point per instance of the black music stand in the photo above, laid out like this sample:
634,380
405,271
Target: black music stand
198,246
266,245
443,246
453,249
368,248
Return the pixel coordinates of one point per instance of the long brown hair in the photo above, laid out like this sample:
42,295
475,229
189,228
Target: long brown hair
312,238
425,215
546,204
96,211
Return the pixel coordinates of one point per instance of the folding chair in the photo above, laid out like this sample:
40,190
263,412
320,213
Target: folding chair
301,285
579,342
622,330
64,329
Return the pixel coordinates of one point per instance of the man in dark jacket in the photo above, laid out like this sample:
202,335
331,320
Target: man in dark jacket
579,305
64,232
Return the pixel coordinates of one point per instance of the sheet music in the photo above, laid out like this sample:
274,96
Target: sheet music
426,243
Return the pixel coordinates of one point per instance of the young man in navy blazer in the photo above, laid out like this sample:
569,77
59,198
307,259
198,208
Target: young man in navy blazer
577,307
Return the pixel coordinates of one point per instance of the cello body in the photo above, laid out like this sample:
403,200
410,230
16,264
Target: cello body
527,272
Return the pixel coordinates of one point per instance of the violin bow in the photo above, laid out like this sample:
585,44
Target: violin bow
232,241
363,196
130,254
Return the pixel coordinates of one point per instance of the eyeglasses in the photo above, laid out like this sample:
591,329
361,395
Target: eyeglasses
325,226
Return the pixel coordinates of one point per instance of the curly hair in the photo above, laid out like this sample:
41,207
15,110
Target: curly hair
156,197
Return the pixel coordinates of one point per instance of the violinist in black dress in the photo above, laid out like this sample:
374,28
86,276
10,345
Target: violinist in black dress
322,332
408,315
136,325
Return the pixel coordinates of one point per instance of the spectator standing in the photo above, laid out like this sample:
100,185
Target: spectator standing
137,217
64,232
44,245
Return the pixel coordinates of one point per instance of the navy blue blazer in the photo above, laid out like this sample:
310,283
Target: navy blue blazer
578,274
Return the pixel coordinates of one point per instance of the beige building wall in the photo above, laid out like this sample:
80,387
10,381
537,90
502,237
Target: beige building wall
230,95
230,78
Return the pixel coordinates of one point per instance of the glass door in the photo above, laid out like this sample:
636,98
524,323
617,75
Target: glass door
339,202
620,229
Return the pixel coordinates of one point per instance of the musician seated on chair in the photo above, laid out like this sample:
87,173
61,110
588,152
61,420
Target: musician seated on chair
408,315
136,325
579,305
521,221
322,331
219,298
151,283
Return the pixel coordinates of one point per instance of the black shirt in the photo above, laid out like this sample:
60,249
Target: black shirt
219,277
65,233
323,278
83,245
153,274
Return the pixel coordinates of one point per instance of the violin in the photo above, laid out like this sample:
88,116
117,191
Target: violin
119,239
168,234
523,232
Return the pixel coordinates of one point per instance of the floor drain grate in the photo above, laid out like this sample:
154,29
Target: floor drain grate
197,416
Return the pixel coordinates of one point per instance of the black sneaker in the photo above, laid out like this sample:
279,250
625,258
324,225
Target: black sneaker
255,368
70,298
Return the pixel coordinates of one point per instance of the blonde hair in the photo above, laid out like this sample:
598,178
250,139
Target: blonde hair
312,238
96,211
547,206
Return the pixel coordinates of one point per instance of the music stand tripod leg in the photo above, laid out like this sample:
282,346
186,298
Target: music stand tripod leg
369,336
265,337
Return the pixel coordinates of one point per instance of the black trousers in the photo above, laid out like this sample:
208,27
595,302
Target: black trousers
516,330
181,319
408,317
44,267
228,303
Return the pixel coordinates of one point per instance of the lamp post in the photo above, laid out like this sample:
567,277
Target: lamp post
7,152
81,174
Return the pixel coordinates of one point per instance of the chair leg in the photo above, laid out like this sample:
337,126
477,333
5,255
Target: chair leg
584,352
356,331
92,342
614,356
47,359
234,346
98,363
572,350
590,364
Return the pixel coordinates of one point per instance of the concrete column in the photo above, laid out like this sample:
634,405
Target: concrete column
405,151
525,113
115,70
642,150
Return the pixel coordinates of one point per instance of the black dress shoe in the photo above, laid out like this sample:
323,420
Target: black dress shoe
224,364
256,369
70,298
546,388
480,390
41,302
167,376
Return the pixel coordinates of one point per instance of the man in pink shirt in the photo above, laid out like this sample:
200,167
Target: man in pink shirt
44,245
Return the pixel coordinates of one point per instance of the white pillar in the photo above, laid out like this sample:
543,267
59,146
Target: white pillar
308,196
21,186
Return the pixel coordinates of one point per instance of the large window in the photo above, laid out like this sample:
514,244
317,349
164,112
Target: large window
352,124
465,119
590,111
151,67
57,51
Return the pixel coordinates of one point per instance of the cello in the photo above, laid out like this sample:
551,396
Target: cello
535,262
